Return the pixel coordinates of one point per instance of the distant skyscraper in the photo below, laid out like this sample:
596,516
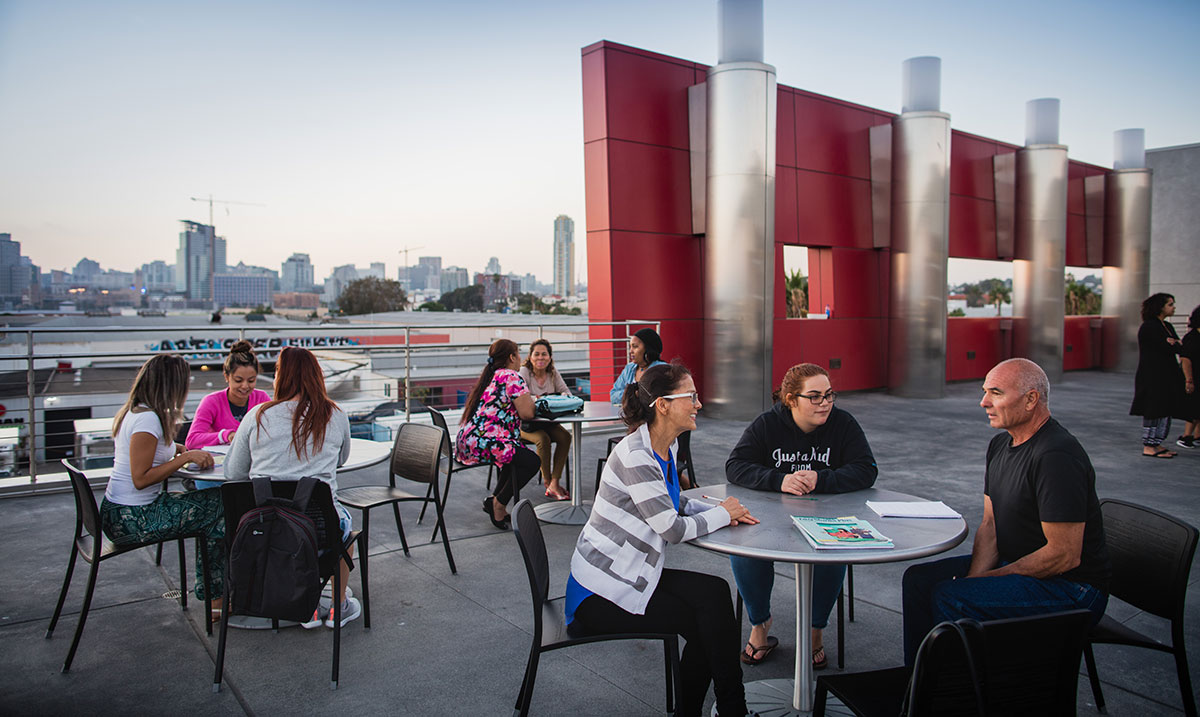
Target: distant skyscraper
430,270
377,270
493,266
196,261
564,255
243,289
296,274
453,278
16,272
157,276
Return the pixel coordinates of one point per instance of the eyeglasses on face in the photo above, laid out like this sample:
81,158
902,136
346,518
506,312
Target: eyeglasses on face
693,395
818,398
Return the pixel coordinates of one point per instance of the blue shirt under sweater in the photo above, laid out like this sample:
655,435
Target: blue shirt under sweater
577,593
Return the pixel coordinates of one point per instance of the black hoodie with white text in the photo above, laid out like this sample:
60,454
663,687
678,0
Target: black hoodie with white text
773,446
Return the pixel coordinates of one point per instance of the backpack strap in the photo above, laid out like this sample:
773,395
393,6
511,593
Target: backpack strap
304,489
262,491
263,495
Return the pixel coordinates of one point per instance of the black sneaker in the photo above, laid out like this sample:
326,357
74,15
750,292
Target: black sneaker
1186,442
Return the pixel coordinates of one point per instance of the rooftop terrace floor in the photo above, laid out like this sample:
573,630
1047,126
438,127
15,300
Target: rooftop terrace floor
456,644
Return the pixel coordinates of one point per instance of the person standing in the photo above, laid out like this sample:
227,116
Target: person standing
1158,384
1040,548
543,379
804,444
1189,361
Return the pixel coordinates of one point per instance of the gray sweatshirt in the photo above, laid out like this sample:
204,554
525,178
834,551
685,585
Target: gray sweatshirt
268,453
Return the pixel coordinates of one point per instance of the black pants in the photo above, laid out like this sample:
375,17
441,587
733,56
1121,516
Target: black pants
516,473
696,607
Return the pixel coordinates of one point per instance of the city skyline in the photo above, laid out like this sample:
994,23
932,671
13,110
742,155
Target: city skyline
325,117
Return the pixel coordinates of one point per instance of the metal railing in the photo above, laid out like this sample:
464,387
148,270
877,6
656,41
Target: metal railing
54,380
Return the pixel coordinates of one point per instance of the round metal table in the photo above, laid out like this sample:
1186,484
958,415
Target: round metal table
775,538
363,454
576,511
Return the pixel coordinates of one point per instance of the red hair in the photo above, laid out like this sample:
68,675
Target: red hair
298,377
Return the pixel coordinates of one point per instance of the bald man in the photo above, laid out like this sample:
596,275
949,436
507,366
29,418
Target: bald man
1040,547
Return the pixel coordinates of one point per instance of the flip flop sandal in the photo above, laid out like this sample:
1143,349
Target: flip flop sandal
759,654
1165,454
821,663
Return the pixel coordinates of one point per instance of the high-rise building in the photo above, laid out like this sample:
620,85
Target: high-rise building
17,273
201,254
453,278
244,269
296,274
157,276
243,289
493,266
377,270
85,272
564,255
428,275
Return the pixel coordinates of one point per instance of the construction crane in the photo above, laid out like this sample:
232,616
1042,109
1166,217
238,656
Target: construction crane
212,244
407,269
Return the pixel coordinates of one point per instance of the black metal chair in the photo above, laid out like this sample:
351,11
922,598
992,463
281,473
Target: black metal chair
549,630
1151,554
90,542
417,454
238,498
439,420
683,458
1023,666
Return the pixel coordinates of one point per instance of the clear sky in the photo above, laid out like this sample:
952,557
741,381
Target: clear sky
364,127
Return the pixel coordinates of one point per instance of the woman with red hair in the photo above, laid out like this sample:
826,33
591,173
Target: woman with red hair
300,433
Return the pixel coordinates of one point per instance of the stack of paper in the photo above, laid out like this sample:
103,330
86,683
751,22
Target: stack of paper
840,533
912,509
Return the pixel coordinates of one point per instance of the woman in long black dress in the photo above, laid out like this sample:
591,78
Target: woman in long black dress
1189,360
1158,384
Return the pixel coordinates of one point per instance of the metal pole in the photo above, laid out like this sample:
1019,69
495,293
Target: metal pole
30,380
407,373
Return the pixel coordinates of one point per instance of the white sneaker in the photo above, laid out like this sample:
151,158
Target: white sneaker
351,610
316,620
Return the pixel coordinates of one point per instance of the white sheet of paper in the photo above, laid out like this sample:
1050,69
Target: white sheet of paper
912,509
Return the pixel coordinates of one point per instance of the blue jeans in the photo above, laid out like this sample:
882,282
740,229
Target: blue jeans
933,594
755,578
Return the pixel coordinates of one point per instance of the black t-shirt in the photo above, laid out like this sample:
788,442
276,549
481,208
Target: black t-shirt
239,412
1047,479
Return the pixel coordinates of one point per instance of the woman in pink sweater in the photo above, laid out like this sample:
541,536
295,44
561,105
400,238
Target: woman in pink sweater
221,412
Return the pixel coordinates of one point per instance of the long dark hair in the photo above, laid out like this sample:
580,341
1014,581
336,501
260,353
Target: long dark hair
298,377
656,381
549,349
1153,305
241,354
161,385
499,354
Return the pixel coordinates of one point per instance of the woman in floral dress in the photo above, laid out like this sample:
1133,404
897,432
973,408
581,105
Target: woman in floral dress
490,429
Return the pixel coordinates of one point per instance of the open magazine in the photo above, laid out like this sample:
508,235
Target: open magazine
840,533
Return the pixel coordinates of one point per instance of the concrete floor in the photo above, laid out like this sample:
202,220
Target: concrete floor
457,644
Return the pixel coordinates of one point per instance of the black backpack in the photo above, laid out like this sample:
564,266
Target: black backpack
273,565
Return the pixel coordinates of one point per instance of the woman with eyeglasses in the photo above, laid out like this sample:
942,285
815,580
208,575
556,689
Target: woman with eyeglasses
618,583
804,444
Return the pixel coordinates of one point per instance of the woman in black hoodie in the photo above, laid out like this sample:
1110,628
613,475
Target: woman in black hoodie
802,445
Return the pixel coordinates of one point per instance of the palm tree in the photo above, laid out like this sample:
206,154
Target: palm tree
796,288
1001,294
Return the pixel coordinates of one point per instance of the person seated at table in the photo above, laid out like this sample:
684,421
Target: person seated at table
299,433
618,582
490,429
543,379
645,350
220,413
1040,547
135,507
804,444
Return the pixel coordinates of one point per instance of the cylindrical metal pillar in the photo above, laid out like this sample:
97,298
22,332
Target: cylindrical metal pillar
920,248
1127,194
1039,259
739,245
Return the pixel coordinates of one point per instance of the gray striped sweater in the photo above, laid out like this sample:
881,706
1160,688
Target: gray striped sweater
619,554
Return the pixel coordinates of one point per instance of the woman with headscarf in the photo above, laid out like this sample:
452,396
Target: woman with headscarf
645,350
1158,384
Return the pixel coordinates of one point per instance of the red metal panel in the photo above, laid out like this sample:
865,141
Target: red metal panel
605,361
972,227
1076,240
596,188
786,223
779,302
1076,171
600,279
1081,342
971,171
647,98
650,188
820,280
785,128
856,284
595,100
833,210
833,137
658,276
973,347
856,343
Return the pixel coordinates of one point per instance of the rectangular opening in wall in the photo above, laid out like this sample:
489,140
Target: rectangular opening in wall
978,288
795,281
1083,287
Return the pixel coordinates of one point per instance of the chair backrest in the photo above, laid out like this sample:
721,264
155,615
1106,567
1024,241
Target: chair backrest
86,512
438,419
533,550
1151,555
1027,666
417,453
238,498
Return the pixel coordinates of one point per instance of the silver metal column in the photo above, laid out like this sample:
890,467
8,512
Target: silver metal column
1127,241
739,246
920,244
